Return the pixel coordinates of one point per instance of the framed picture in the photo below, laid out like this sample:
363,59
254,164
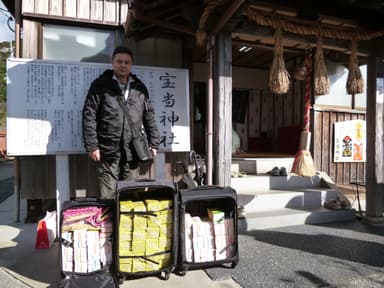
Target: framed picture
350,141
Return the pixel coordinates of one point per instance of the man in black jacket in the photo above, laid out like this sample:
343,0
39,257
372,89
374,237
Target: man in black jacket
117,101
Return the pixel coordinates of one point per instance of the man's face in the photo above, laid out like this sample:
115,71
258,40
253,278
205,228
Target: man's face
121,64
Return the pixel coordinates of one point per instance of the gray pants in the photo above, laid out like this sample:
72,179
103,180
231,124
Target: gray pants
109,172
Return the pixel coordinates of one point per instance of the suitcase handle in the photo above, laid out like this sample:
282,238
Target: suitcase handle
208,187
145,180
84,199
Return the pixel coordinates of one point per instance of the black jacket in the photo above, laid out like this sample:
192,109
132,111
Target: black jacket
105,123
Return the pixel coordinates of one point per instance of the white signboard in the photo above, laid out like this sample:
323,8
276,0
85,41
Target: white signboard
45,101
350,141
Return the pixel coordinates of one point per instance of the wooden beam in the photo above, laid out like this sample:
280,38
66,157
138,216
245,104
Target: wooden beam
257,44
168,14
164,24
170,9
227,15
337,21
374,46
39,17
341,13
261,35
151,25
306,27
273,8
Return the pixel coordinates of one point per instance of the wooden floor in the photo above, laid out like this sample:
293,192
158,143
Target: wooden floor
262,155
350,191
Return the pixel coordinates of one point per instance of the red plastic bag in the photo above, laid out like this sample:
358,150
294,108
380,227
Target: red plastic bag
46,231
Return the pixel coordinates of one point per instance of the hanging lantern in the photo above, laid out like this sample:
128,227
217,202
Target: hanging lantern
300,71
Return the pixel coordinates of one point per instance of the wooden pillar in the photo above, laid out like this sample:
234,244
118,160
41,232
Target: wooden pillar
223,110
210,111
17,28
31,32
375,146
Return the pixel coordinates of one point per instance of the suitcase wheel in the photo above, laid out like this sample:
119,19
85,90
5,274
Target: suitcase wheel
234,264
181,273
121,281
165,275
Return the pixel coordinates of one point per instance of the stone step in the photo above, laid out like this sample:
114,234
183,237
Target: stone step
259,165
302,199
251,184
278,201
291,217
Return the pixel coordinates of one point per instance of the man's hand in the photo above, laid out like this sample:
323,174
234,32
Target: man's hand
154,151
95,155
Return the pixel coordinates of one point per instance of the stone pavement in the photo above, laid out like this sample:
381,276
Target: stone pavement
334,255
347,254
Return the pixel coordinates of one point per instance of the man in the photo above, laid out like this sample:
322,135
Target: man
116,102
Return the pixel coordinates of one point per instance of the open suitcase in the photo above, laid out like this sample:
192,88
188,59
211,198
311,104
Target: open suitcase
87,243
208,228
147,227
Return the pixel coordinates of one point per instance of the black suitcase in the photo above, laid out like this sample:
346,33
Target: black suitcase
147,227
87,243
208,228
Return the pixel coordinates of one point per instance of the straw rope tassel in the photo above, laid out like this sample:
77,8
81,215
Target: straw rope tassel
278,74
303,163
355,82
321,82
201,34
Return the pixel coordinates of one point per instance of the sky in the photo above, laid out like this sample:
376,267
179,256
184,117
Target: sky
5,33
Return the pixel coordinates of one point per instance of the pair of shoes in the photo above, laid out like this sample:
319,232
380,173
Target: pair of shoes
337,204
236,174
279,172
333,205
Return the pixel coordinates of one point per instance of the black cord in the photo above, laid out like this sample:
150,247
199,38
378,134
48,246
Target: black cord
10,19
6,13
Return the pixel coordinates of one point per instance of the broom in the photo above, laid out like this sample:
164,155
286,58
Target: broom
321,83
303,163
278,74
